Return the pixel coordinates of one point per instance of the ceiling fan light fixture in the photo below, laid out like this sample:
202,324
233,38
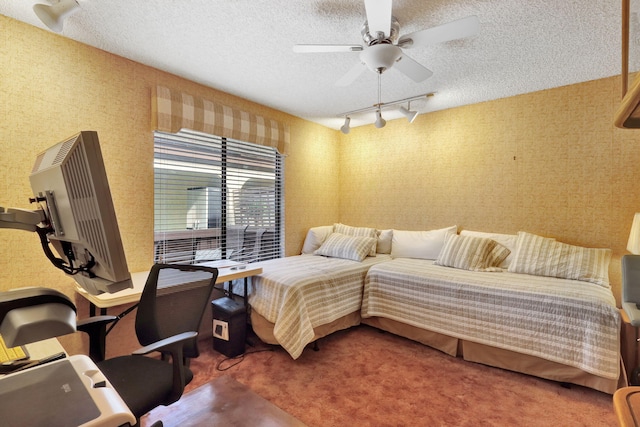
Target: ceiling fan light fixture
345,127
53,16
410,115
380,122
380,57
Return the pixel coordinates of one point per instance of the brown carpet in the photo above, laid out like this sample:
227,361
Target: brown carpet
367,378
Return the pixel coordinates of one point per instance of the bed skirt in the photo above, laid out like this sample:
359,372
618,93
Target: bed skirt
264,329
470,351
499,358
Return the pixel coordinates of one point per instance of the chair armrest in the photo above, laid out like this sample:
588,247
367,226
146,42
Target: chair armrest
167,344
173,345
96,328
85,325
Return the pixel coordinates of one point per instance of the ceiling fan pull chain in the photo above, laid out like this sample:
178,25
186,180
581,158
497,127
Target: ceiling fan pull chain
379,88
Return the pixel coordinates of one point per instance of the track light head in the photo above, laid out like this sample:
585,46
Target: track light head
410,115
380,122
53,16
398,105
345,127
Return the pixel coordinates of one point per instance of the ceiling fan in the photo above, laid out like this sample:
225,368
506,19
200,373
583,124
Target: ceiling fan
383,49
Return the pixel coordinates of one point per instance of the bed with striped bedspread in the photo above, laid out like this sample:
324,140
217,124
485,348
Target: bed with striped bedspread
299,293
571,322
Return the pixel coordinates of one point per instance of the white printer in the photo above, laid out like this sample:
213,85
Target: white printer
67,392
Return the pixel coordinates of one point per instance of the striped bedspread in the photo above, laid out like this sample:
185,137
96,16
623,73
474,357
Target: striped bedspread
301,292
566,321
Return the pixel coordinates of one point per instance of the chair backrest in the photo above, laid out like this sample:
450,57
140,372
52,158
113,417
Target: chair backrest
173,301
235,241
253,244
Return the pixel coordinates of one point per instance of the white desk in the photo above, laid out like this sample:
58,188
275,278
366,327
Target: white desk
227,271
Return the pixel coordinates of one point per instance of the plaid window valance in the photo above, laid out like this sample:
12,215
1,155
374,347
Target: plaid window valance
175,110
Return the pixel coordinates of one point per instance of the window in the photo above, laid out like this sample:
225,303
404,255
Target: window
216,198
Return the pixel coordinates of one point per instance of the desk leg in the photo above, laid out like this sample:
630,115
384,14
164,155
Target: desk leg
229,292
92,310
250,337
245,296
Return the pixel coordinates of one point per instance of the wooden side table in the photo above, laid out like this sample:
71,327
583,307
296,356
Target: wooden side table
626,403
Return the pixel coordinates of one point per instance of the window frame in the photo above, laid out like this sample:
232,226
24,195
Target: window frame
239,164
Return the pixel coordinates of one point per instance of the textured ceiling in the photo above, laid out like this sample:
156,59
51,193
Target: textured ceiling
244,47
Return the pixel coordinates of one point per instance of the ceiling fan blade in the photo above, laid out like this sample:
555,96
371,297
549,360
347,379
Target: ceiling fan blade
412,69
378,16
459,29
351,75
323,48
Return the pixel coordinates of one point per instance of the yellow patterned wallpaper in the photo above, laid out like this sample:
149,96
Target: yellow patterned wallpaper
51,88
549,162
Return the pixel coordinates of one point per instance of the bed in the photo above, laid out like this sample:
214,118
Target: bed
559,329
298,299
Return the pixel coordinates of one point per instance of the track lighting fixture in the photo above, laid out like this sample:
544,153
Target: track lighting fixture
380,122
410,115
345,127
53,16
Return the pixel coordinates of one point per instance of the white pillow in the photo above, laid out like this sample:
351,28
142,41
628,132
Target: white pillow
384,241
509,241
338,245
315,237
419,244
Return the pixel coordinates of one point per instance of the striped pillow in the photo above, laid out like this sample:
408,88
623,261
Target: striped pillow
471,253
348,230
498,255
348,247
509,241
544,256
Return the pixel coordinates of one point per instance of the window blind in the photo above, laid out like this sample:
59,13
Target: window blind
216,198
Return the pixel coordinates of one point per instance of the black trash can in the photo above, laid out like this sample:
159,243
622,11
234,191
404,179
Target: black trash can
229,326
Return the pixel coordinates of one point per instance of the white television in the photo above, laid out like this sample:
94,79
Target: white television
69,182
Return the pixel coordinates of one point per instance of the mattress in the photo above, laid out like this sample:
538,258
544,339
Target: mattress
300,293
570,322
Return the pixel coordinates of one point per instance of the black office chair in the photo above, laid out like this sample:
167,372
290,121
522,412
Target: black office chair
169,315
